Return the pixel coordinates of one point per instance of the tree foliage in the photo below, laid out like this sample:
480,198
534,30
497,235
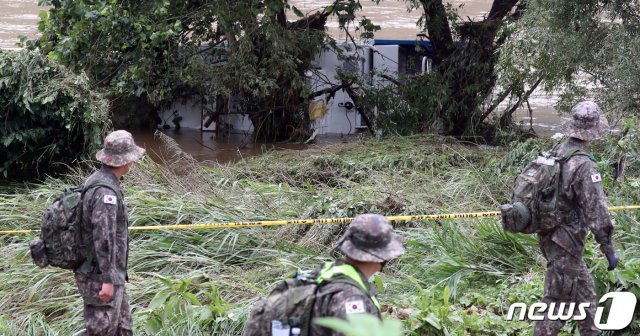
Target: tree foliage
48,115
585,50
452,98
252,55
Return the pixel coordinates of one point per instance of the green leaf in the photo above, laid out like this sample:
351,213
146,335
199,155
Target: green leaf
334,323
296,11
377,281
159,299
392,327
433,320
55,56
153,325
192,298
49,99
465,301
445,295
7,140
329,9
362,325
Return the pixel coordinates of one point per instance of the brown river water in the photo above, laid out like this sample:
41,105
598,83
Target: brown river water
206,147
20,17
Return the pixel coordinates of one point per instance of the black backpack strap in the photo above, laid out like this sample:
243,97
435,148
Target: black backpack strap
554,149
573,152
564,157
569,153
308,312
90,186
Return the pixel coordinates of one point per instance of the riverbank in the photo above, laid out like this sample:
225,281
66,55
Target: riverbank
204,282
210,149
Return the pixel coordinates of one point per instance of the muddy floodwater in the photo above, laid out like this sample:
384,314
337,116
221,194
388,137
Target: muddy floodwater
17,17
206,147
20,17
393,16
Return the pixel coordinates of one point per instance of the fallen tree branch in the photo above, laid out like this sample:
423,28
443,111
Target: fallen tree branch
508,114
331,91
391,79
357,102
497,102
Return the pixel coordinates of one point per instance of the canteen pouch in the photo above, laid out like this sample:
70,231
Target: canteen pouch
515,217
38,253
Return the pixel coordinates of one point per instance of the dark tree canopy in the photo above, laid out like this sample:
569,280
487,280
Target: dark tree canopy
255,52
451,99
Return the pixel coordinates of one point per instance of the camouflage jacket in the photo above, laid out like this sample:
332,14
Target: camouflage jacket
583,205
340,298
105,230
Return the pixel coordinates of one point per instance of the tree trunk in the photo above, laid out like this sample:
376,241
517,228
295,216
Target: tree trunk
279,117
275,119
466,69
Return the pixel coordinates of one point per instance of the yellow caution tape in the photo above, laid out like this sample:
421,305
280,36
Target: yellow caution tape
18,231
312,221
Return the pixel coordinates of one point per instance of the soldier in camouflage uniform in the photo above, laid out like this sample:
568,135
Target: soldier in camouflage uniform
368,245
101,278
584,207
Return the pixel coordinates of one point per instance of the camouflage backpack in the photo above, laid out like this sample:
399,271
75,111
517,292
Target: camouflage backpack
533,207
60,243
288,308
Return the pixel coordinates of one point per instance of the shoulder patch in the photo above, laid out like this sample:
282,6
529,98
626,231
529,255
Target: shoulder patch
596,178
110,199
354,306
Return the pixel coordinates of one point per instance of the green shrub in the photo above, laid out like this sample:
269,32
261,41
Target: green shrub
48,115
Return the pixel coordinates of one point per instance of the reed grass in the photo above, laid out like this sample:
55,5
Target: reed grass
203,282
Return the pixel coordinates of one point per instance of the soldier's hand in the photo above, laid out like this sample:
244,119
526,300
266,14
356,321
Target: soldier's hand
106,292
613,260
611,255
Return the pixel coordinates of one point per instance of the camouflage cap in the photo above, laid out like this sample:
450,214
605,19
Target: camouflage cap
370,238
587,122
119,149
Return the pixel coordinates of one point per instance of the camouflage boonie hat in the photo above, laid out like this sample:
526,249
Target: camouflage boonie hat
587,123
370,238
119,149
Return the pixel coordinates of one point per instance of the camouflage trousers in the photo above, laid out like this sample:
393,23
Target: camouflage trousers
104,319
568,280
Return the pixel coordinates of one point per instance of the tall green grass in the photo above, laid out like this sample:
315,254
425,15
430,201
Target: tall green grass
203,282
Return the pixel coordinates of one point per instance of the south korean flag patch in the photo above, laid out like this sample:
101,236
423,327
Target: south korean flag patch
354,306
110,199
596,178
